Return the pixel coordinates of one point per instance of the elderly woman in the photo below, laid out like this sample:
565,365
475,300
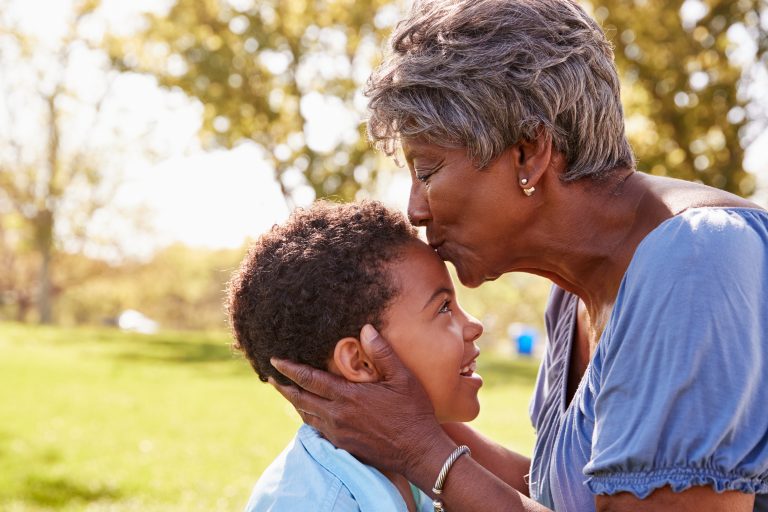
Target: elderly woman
652,394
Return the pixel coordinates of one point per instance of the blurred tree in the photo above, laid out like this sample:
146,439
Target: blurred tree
180,287
18,269
685,83
286,75
62,143
34,177
264,69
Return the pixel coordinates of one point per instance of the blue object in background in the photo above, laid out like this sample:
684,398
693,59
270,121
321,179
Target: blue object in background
525,342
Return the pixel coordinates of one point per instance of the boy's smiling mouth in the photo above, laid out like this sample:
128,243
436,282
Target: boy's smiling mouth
467,369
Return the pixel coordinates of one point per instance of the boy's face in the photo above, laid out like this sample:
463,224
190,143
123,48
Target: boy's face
432,335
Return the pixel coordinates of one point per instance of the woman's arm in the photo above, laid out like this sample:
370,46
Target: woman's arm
470,487
695,499
509,466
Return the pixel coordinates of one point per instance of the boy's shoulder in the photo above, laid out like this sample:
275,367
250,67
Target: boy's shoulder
312,474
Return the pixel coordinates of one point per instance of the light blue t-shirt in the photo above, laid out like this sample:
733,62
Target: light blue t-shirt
677,390
312,474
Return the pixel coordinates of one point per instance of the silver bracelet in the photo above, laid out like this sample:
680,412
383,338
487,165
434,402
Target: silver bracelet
438,487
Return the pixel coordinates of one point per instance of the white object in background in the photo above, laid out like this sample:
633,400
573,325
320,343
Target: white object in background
132,320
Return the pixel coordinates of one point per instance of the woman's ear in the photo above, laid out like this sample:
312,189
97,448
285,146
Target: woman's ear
351,362
532,158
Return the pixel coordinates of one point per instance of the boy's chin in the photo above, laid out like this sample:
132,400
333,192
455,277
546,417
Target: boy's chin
464,416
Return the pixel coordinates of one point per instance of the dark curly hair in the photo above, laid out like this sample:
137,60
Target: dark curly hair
314,280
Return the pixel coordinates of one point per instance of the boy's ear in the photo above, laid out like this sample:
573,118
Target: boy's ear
350,360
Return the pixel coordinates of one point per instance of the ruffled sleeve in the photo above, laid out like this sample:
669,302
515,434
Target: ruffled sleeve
681,373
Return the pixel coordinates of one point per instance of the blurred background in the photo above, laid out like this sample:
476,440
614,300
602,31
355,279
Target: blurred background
144,143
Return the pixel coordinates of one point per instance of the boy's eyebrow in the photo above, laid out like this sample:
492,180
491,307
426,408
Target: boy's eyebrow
438,293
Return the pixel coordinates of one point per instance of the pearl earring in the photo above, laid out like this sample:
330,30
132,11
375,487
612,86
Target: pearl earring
527,191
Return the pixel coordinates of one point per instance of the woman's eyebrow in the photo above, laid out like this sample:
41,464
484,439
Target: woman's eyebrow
440,291
415,150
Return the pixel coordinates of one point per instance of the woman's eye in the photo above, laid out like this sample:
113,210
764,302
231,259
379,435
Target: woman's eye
424,172
424,176
446,307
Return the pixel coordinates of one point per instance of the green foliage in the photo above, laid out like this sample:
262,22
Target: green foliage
681,85
256,66
102,420
180,287
253,67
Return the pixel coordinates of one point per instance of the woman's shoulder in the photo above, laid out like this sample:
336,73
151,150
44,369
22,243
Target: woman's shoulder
676,195
705,237
702,271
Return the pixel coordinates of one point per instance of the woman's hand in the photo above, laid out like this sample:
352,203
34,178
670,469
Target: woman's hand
389,424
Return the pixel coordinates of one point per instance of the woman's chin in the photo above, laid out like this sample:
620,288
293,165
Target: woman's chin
468,279
471,274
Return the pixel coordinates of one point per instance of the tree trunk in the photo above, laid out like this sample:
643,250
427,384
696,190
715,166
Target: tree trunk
44,240
44,306
23,305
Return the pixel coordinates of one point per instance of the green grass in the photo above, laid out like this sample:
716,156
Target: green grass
100,420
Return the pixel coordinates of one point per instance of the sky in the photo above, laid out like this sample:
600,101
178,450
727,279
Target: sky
217,199
213,199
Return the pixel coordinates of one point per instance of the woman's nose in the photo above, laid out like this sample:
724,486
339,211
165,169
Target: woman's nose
418,208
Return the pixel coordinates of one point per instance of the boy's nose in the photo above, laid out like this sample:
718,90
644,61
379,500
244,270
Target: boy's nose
473,329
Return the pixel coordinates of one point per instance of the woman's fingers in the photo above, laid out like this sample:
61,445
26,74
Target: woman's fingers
385,421
306,404
317,382
381,353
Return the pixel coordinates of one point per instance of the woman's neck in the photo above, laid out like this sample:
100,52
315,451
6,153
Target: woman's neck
585,237
588,242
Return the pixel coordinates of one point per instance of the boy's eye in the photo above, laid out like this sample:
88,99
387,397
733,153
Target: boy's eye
446,307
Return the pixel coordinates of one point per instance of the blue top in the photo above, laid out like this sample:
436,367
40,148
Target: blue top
312,474
677,391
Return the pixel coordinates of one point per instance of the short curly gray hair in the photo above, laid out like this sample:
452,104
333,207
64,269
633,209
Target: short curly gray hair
486,74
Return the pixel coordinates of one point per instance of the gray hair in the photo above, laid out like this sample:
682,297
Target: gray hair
486,74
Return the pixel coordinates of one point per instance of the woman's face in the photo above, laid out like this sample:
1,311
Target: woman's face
469,213
432,335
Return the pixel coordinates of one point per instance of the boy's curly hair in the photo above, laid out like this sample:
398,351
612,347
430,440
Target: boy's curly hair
314,280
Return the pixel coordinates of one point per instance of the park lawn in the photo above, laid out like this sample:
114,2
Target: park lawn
96,419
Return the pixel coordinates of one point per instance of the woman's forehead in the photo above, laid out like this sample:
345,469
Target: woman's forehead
421,147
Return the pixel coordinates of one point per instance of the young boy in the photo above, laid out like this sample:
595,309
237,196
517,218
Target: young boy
303,293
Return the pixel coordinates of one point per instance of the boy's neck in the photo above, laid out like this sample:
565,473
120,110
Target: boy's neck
404,487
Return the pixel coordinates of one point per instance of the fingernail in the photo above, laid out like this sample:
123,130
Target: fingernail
272,381
368,332
275,362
